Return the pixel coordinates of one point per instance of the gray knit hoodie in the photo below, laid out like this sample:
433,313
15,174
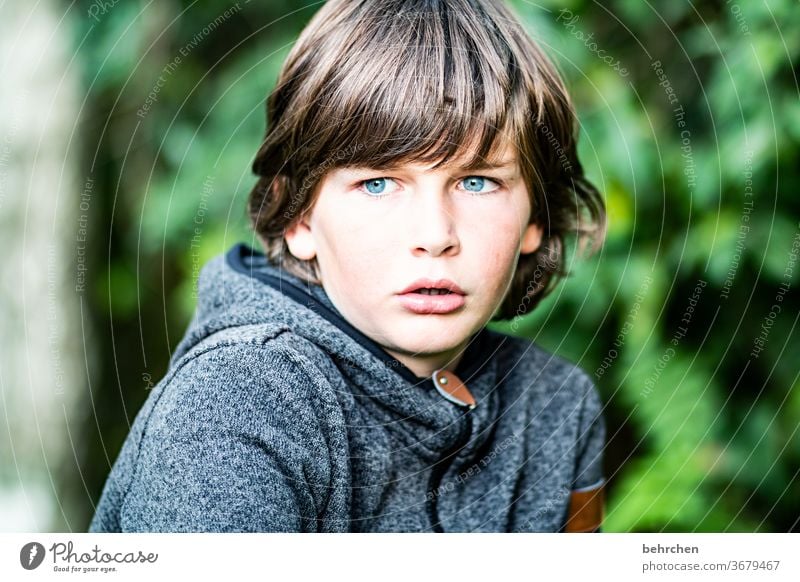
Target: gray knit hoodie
277,415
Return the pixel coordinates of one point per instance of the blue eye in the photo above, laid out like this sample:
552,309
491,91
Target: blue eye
476,184
376,185
473,183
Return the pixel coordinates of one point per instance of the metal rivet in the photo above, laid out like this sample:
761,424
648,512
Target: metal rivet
442,380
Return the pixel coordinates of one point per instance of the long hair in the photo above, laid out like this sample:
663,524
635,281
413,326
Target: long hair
375,83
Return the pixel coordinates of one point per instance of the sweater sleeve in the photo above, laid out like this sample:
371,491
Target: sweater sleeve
591,440
231,445
587,497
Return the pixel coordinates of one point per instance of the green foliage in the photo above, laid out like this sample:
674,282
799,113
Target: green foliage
677,460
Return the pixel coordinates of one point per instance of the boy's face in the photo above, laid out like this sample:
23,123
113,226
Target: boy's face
375,233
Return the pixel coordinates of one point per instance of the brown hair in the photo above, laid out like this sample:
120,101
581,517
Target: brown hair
381,82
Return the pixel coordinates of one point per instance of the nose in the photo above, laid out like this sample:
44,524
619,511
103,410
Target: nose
434,226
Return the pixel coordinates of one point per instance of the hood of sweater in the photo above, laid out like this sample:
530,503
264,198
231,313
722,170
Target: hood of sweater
242,288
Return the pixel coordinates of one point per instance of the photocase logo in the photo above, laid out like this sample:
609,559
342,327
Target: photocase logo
31,555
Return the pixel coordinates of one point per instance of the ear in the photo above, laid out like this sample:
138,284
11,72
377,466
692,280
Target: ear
531,239
300,240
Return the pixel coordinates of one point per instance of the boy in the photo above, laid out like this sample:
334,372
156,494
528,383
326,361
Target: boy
418,178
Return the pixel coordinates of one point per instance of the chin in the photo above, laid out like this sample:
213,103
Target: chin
433,335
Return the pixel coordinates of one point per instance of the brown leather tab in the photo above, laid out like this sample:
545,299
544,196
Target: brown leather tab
451,387
586,509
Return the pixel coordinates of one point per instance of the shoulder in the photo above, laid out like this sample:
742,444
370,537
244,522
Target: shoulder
558,392
247,378
536,368
243,410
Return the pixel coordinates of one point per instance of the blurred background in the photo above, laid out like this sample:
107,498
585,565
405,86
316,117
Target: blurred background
126,138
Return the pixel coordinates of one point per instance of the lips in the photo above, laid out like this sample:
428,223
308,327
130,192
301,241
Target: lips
428,284
426,296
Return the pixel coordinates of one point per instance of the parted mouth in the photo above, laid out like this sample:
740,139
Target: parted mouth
433,287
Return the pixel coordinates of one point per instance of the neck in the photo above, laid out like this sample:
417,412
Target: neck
424,365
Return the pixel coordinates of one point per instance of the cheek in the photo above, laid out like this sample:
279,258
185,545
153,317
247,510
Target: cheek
353,245
498,235
496,238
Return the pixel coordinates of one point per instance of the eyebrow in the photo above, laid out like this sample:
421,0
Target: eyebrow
485,165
